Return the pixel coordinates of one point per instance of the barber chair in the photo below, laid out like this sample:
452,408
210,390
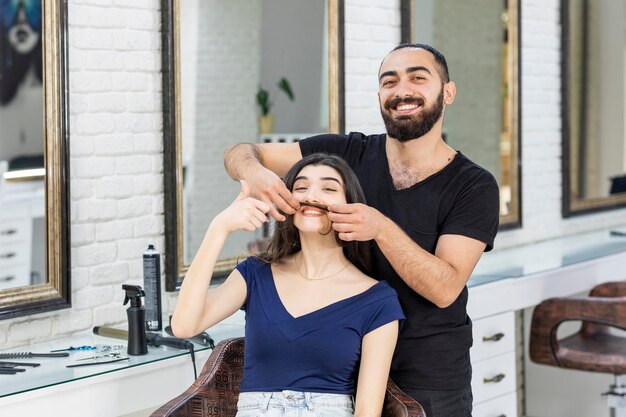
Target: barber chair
215,392
595,347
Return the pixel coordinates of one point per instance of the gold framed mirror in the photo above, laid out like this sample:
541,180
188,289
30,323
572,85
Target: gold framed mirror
480,40
593,43
38,193
238,71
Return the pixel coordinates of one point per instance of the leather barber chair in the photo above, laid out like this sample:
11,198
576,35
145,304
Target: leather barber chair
594,348
216,390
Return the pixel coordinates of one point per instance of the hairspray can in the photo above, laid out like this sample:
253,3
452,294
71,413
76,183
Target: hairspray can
152,287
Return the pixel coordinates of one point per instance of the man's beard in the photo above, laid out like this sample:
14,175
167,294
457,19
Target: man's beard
413,126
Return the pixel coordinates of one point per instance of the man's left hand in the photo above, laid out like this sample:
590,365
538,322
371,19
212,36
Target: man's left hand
356,221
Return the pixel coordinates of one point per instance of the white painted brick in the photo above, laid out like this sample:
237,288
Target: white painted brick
138,4
144,19
141,61
96,254
137,164
23,332
107,103
144,102
78,103
132,249
147,184
83,234
81,189
90,124
133,207
116,144
108,18
113,315
82,146
94,167
112,273
114,187
158,205
128,82
92,2
146,143
91,82
134,122
80,278
157,163
88,38
69,322
90,210
97,60
136,40
78,15
148,226
91,297
114,230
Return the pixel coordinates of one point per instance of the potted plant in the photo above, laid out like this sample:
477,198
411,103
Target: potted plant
266,118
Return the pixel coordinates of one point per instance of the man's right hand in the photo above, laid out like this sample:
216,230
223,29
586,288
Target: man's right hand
268,187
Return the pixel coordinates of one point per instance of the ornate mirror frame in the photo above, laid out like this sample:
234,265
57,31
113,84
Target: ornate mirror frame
55,293
175,268
513,218
570,168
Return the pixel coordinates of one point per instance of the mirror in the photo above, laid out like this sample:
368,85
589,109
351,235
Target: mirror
480,40
34,222
594,136
238,71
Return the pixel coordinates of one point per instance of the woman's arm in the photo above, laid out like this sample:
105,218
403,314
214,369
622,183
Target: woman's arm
198,308
376,353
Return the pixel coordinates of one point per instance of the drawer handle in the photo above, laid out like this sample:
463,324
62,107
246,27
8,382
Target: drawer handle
8,278
494,379
8,232
8,255
496,337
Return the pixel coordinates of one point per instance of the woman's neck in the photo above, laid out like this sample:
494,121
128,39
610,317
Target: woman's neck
320,255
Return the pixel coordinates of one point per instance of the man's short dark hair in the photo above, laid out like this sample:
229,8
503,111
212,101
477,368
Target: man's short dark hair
439,58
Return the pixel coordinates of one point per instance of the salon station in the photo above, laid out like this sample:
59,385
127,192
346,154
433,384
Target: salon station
114,118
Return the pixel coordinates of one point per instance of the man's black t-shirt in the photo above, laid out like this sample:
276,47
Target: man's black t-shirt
462,199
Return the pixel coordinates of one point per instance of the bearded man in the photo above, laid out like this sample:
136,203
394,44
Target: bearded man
431,214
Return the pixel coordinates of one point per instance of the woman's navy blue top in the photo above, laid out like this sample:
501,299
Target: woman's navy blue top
317,352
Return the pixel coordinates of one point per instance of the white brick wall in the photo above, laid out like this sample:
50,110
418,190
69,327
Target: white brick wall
116,143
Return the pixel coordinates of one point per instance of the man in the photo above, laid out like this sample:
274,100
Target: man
431,213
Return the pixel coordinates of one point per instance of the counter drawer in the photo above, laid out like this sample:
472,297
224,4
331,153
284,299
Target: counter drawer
493,336
17,230
493,377
14,254
18,276
504,406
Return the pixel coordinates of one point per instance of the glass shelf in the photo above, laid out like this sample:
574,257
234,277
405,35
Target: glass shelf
547,255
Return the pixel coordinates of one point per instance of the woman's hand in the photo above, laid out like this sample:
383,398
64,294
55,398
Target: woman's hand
245,213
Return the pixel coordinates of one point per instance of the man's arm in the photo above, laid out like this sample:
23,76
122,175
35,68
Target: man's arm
439,278
262,165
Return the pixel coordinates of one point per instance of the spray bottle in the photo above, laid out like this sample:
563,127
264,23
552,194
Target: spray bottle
137,342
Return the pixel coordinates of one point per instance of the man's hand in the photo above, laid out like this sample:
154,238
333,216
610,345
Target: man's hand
356,221
269,188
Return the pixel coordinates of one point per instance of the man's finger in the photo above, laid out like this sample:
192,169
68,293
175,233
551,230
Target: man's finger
343,208
276,214
292,203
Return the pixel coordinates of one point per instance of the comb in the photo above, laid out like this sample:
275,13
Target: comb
23,355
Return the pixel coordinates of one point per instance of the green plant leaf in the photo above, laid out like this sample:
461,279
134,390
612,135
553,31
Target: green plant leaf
263,100
283,85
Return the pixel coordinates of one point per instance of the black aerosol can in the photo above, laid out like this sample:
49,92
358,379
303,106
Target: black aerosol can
137,342
152,287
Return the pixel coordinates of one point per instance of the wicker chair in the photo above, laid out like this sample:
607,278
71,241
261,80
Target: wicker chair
593,348
215,392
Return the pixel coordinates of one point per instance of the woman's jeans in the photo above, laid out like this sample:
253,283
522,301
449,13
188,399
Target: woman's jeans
294,404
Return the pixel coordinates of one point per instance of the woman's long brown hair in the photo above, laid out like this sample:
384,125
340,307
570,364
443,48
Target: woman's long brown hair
286,238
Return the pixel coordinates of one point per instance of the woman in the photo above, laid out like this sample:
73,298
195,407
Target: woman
315,323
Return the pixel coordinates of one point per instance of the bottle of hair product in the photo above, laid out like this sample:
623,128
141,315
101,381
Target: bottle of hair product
152,287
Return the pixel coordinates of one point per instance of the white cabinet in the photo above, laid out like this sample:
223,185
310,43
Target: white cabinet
494,367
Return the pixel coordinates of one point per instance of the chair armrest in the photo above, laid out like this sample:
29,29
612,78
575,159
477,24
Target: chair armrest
609,289
214,393
544,346
399,404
